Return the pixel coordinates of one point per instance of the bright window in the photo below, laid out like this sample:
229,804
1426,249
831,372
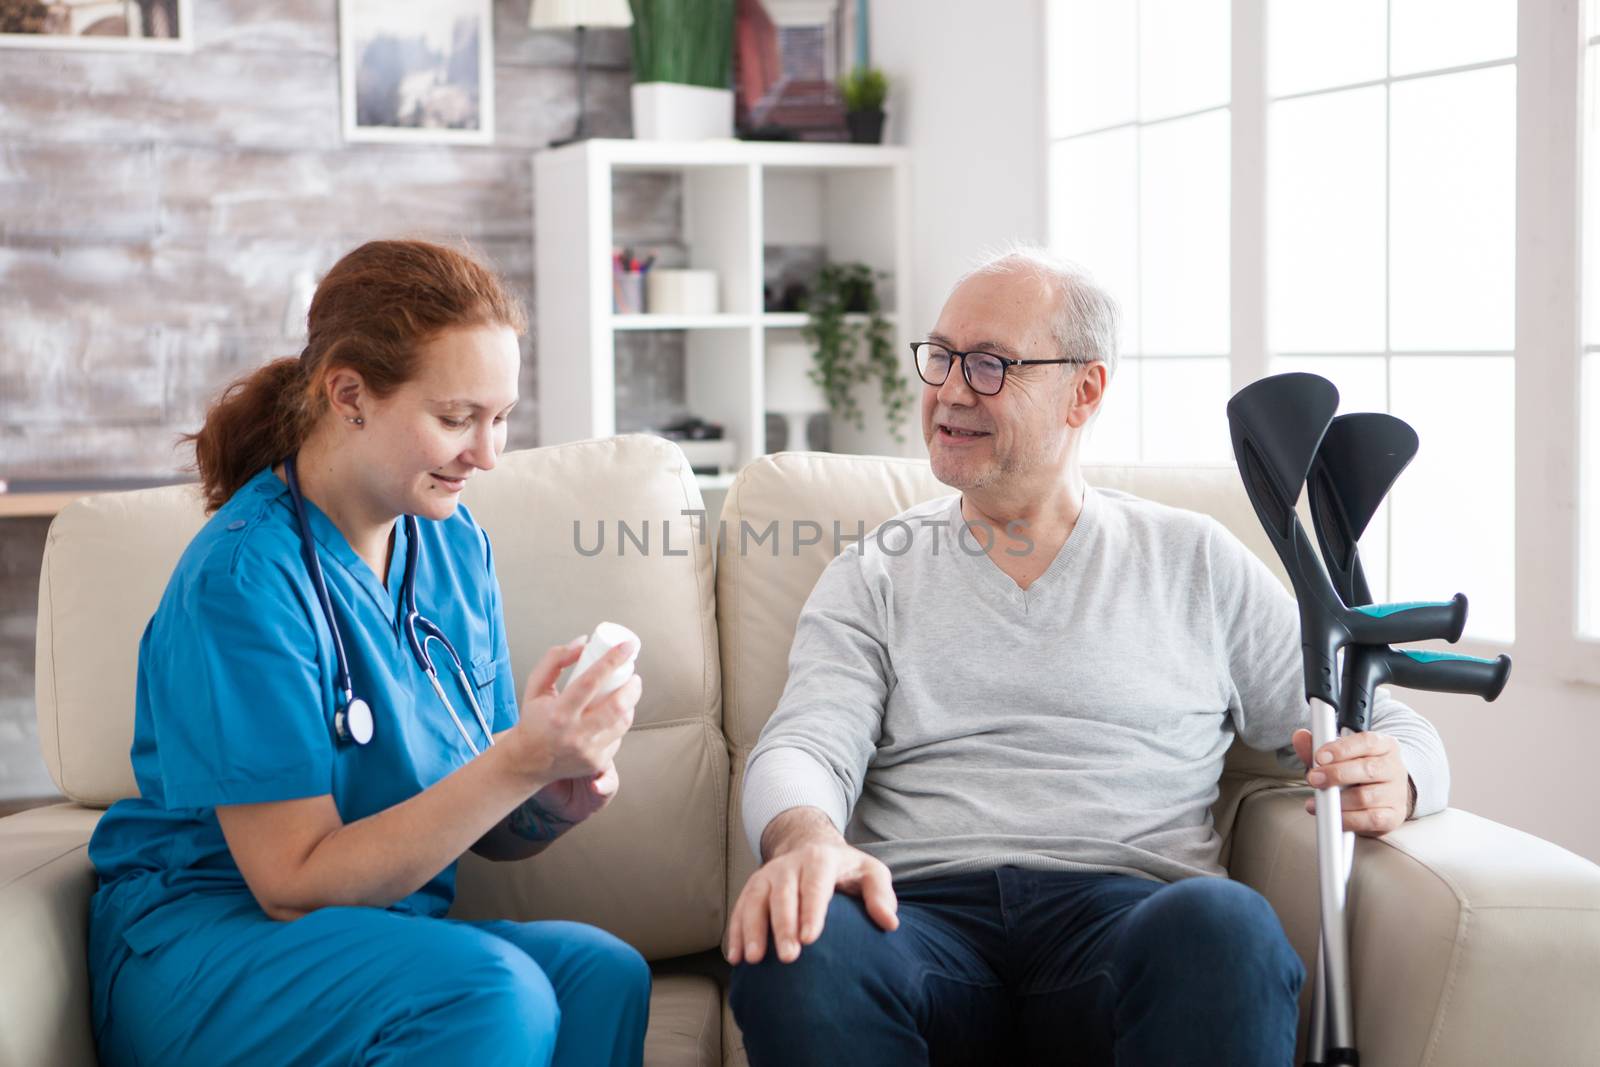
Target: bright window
1139,194
1391,252
1385,248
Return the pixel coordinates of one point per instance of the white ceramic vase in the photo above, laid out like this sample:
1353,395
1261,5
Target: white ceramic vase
791,393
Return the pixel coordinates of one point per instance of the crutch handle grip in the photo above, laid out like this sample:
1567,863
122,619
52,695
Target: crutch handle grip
1398,624
1450,672
1367,666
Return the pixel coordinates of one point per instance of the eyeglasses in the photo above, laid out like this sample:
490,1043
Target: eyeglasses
984,372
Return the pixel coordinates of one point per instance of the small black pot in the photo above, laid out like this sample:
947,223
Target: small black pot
866,127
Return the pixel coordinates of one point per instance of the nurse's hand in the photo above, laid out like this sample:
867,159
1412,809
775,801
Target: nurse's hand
572,734
560,806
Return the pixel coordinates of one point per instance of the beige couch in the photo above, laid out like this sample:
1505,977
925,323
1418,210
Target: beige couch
1472,942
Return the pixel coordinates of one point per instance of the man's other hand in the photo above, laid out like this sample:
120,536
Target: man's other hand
1375,792
807,860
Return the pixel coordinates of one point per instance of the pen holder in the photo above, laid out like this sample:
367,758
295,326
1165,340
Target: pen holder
627,292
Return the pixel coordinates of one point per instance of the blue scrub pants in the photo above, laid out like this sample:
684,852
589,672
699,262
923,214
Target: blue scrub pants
364,986
1034,967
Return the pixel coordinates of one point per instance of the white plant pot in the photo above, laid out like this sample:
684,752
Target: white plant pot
666,111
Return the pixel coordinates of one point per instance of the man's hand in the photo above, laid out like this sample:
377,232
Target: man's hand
807,861
1375,792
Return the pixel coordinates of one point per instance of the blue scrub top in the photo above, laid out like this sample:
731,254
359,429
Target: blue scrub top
236,697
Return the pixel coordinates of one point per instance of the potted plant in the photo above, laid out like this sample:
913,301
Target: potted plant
682,58
864,90
854,350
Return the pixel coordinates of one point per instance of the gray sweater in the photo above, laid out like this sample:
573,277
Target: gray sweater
948,721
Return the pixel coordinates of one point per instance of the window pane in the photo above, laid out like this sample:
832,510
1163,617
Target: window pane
1184,53
1362,382
1093,50
1183,236
1094,214
1185,411
1432,34
1589,409
1454,508
1114,438
1318,44
1453,211
1589,536
1591,201
1325,223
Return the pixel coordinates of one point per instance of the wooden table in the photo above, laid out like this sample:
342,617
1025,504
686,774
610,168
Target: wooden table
42,499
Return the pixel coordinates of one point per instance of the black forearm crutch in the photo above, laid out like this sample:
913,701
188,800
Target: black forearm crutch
1277,425
1356,464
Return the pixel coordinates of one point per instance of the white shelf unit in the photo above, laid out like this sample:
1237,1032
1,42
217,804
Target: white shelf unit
852,201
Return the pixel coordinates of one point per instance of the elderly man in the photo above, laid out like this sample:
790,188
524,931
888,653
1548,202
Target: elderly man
983,802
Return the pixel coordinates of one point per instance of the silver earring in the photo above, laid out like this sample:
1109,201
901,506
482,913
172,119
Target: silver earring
356,420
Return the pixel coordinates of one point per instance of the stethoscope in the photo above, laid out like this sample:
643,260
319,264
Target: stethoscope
352,719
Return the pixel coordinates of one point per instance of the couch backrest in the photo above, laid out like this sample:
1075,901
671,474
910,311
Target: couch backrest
108,558
760,591
106,563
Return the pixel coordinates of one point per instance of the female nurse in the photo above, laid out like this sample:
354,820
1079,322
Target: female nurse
276,894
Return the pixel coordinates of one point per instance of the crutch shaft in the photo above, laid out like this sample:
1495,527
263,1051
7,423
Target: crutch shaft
1331,878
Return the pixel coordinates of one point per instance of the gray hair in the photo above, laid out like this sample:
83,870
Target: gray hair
1086,316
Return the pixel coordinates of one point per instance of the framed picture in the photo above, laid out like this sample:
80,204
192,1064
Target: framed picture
417,70
788,57
147,25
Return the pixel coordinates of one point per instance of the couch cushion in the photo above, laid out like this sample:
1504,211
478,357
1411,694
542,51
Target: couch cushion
106,563
45,884
649,868
761,586
685,1022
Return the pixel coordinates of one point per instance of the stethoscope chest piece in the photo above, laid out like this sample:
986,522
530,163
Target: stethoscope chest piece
354,723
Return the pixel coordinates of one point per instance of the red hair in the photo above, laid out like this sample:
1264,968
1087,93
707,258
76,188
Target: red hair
371,313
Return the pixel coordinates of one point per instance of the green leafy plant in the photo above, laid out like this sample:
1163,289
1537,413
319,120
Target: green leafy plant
688,42
848,352
864,89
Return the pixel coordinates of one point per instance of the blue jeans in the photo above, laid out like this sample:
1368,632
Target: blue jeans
1020,966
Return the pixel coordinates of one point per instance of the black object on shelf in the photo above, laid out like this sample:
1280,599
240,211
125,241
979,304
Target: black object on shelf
768,133
866,127
691,428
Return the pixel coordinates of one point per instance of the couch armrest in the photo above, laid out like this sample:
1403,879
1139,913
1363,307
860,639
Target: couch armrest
1470,942
45,884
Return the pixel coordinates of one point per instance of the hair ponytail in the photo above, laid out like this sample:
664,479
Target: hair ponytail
257,421
370,313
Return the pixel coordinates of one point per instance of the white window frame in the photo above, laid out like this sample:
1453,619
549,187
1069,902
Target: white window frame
1588,156
1548,347
1550,100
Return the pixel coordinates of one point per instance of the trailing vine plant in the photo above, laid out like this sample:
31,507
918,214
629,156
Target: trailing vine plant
847,353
